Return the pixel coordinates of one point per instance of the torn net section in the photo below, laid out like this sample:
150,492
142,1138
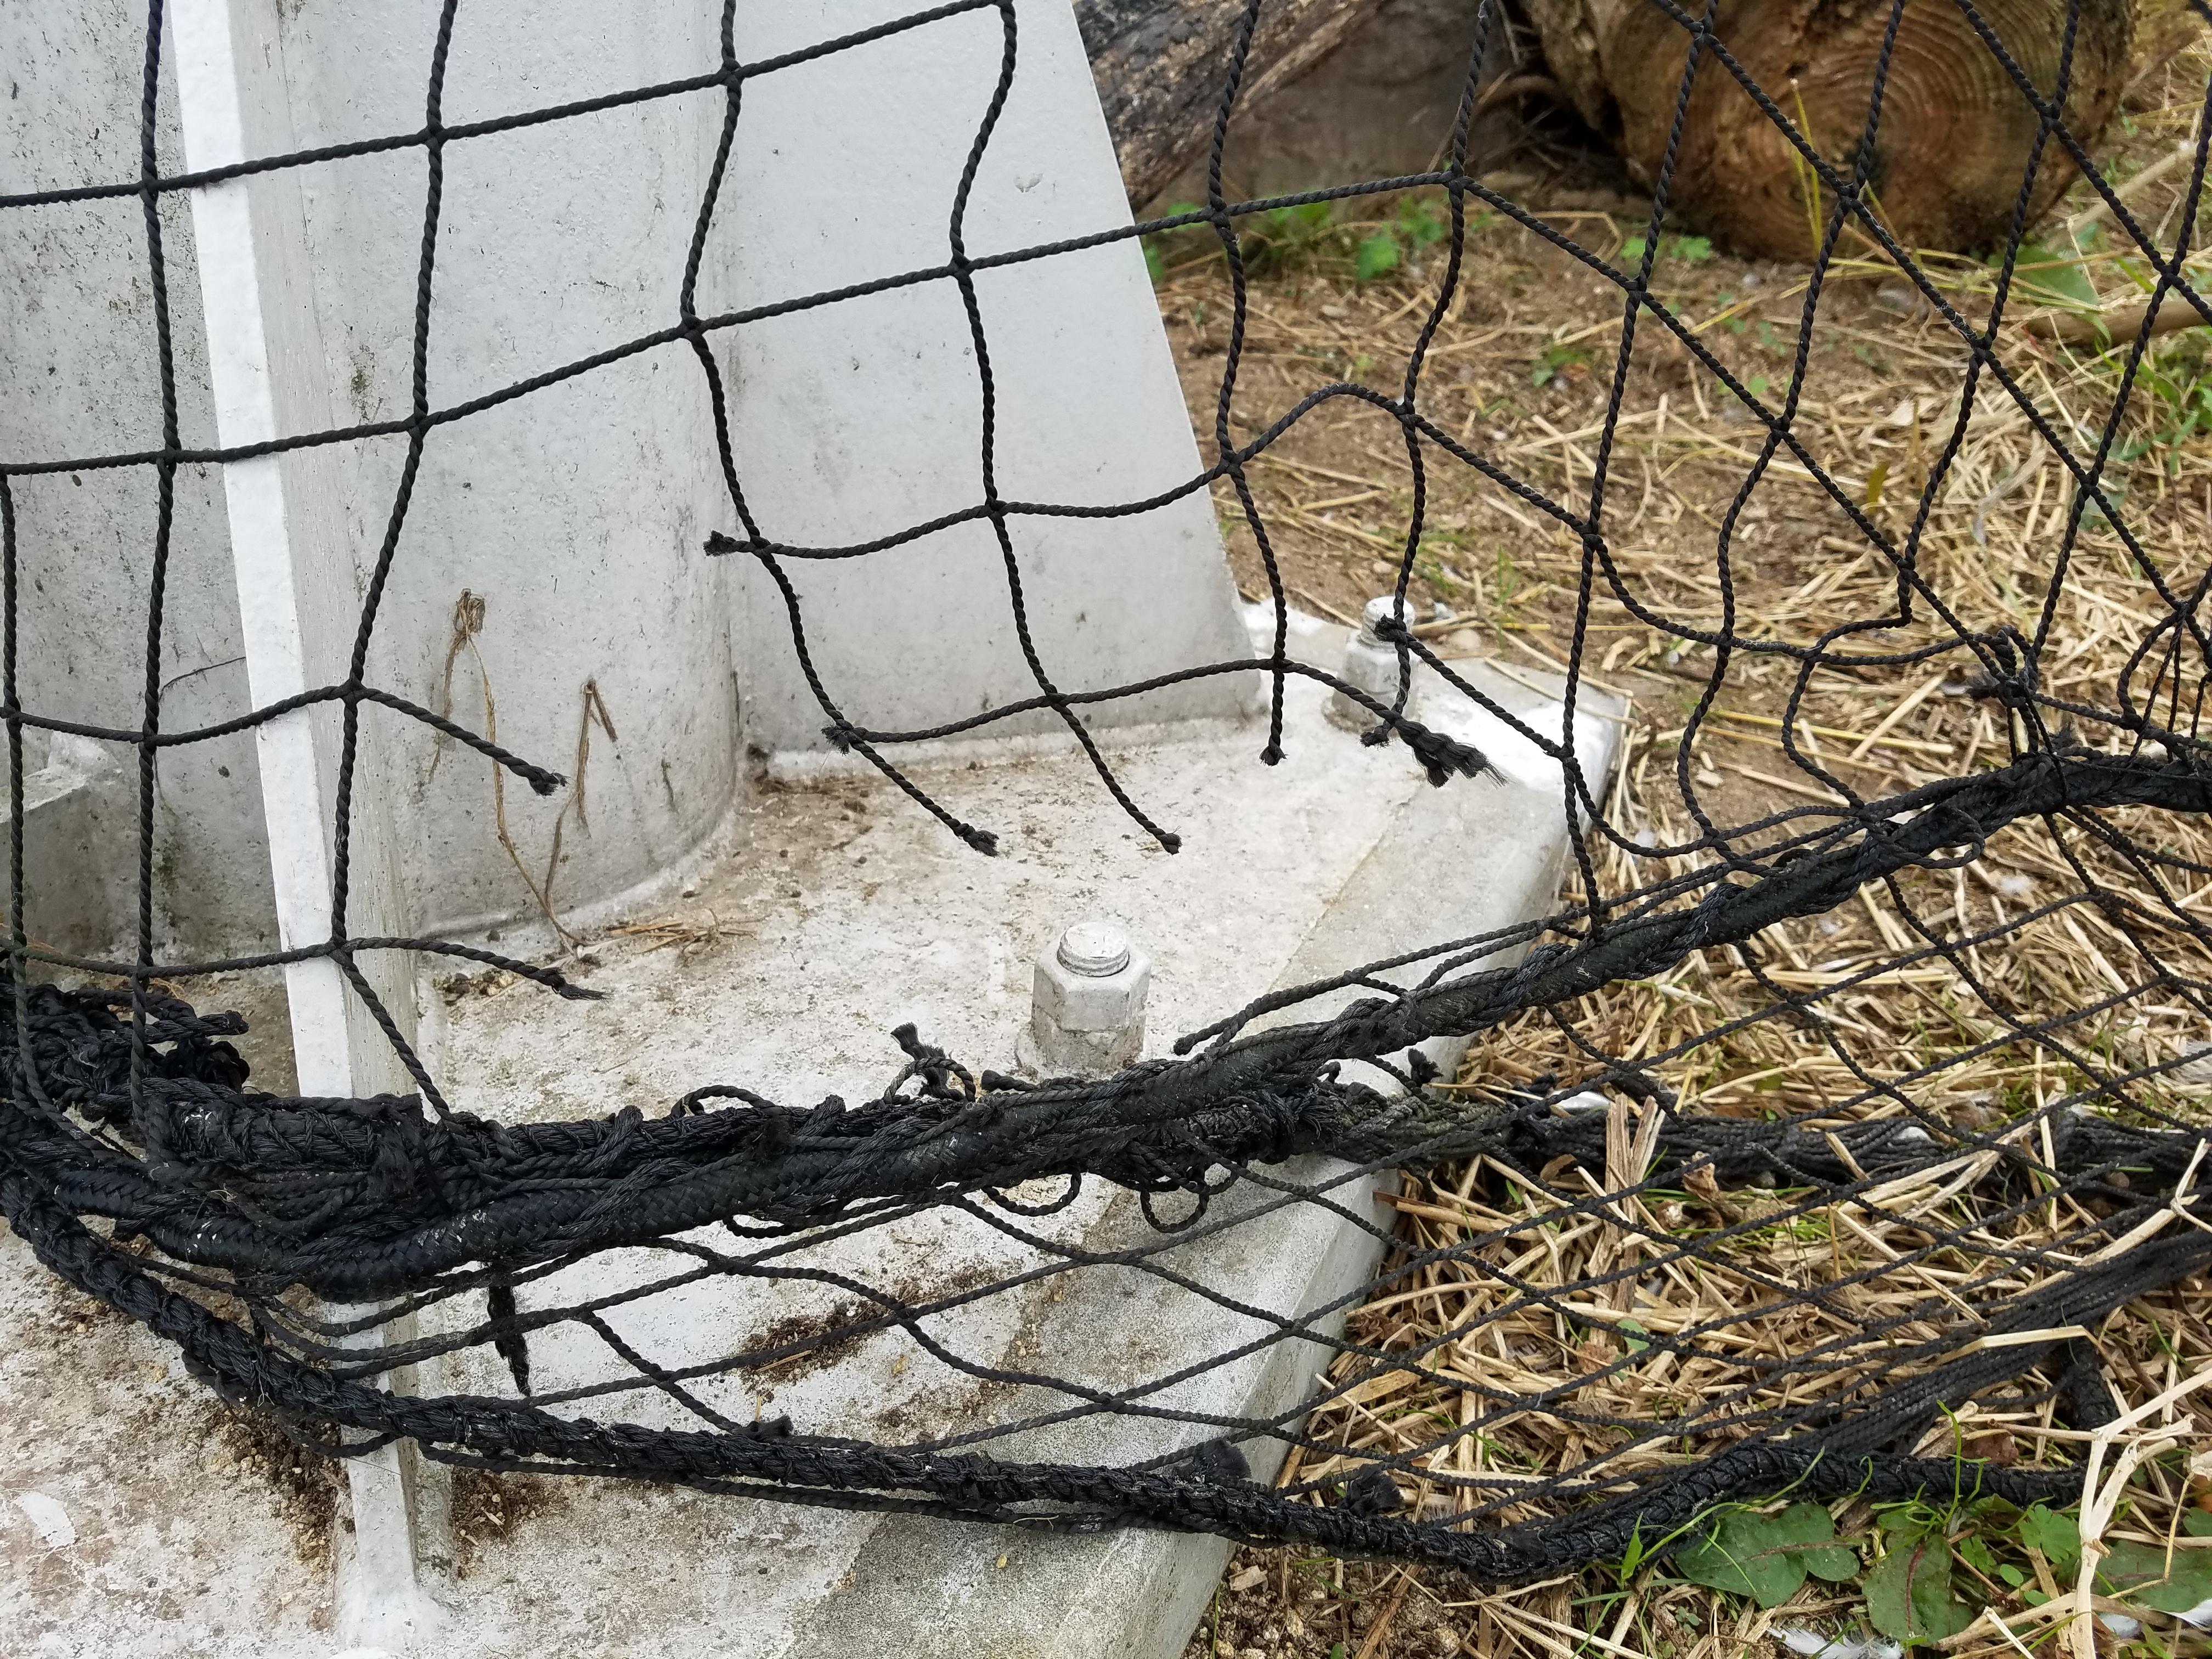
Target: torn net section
1646,1291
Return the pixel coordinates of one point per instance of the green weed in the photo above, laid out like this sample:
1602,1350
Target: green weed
1312,236
1557,361
1766,1557
2172,403
1506,583
1928,1565
1692,250
2046,276
1420,224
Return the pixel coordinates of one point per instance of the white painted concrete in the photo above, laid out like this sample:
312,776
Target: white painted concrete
74,791
781,979
284,588
867,417
577,515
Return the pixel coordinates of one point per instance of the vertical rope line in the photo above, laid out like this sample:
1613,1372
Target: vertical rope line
165,500
1227,455
988,392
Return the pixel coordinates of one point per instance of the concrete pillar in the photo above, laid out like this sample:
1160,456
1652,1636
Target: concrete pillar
549,574
859,420
78,379
575,515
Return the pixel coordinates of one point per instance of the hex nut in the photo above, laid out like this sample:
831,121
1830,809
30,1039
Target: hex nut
1371,665
1087,1012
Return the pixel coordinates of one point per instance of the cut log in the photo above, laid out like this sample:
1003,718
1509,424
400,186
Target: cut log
1953,145
1380,104
1161,66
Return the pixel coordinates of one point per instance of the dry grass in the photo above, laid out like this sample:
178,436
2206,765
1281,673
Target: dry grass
1515,1384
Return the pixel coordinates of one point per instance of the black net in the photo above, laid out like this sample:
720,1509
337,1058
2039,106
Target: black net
1814,1120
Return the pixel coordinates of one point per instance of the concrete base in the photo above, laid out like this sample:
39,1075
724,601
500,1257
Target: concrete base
1452,861
75,792
849,912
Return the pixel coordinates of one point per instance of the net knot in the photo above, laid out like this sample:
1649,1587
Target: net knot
1443,756
1373,1492
2012,682
1216,1462
936,1069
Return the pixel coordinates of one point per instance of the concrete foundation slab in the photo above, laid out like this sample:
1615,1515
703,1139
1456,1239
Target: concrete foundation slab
844,912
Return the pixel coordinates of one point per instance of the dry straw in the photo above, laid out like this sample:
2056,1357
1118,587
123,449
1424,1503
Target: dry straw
1718,1311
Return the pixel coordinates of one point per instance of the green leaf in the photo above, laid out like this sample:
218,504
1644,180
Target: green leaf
1837,1563
2142,1574
1745,1555
1626,1326
1696,249
1631,251
1378,255
1756,386
1420,221
1156,266
1908,1591
2011,1574
2055,1534
2051,278
1975,1552
1767,1556
1555,360
2197,1523
1809,1529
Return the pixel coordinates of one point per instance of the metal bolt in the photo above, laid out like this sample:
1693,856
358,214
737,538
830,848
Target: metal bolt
1370,664
1379,609
1096,950
1087,1012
